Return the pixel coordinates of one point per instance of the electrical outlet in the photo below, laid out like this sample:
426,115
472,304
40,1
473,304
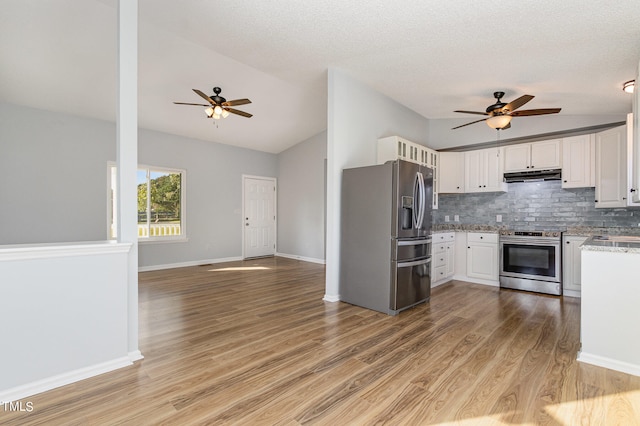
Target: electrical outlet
456,218
446,218
498,218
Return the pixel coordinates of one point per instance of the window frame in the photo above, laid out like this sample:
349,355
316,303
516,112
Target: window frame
112,203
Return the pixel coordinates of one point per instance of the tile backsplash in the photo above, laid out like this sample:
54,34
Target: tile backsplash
533,206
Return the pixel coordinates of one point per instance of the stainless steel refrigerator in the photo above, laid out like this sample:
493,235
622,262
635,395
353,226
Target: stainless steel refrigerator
385,244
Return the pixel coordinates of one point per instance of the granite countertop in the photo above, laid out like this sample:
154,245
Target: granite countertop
458,227
584,231
613,243
589,231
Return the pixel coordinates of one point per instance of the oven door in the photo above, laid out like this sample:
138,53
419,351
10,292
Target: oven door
530,258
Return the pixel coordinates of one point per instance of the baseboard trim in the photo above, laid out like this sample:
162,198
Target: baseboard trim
571,293
187,264
135,356
477,281
220,260
39,386
306,259
331,298
611,364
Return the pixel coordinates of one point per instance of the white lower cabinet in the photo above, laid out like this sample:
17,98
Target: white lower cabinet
571,264
482,255
442,258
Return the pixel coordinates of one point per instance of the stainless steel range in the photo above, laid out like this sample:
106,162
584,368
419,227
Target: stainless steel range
531,261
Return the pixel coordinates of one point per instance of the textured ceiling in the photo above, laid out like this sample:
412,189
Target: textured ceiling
433,57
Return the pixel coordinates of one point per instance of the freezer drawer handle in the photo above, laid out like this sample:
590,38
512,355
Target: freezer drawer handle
414,263
414,242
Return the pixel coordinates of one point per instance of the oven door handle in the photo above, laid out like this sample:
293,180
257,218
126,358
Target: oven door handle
531,241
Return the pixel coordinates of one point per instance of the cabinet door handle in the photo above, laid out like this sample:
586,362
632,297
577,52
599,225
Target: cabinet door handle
568,242
632,190
468,247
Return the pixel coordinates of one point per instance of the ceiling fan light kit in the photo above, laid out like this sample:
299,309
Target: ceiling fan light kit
499,114
629,86
218,107
498,121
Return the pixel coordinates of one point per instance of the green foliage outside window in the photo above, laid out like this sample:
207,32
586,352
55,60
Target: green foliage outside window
165,198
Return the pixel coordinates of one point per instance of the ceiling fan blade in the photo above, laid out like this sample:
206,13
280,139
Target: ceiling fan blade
541,111
187,103
205,97
236,102
472,112
477,121
237,111
517,103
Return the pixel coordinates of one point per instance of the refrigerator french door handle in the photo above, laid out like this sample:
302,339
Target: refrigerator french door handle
414,263
421,199
416,201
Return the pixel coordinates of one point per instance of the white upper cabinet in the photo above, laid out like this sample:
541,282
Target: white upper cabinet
394,147
483,170
611,168
633,160
533,156
451,172
578,161
517,157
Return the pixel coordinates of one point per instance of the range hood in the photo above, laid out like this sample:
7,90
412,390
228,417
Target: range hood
533,175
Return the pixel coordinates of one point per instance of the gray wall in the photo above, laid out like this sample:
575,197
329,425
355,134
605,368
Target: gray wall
53,176
53,184
441,136
534,206
214,195
301,199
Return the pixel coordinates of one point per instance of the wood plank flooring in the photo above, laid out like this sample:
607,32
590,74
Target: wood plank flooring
252,343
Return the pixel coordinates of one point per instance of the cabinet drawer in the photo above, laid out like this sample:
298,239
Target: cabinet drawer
439,273
439,260
438,249
482,237
442,237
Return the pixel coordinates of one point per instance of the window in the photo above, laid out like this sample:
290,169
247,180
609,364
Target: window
161,201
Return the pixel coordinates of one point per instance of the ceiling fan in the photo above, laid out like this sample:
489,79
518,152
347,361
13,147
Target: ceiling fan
499,114
219,106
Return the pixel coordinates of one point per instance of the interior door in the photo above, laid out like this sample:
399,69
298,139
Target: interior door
259,210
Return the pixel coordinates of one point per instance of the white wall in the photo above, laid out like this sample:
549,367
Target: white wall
301,199
357,117
65,311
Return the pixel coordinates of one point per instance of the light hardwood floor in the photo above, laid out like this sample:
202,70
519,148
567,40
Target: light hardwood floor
253,343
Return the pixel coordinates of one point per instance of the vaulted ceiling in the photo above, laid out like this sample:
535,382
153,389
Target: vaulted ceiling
432,56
